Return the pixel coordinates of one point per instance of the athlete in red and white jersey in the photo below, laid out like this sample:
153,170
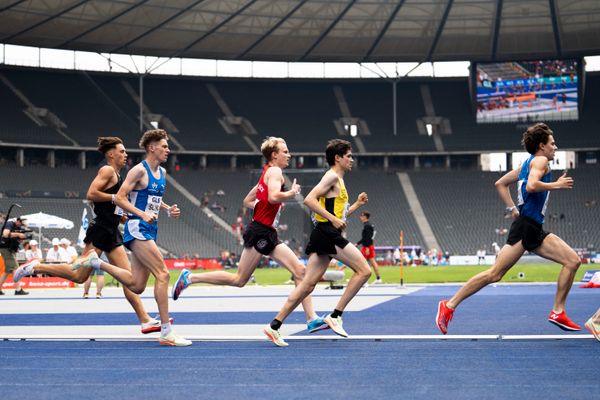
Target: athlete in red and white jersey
266,213
260,238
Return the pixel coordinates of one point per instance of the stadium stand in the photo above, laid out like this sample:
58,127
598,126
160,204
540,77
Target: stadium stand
16,125
194,232
462,208
372,102
73,97
390,211
302,112
465,211
188,104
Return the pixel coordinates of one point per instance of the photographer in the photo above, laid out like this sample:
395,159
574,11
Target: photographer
12,234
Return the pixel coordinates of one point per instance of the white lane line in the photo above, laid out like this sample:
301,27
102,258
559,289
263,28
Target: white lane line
139,338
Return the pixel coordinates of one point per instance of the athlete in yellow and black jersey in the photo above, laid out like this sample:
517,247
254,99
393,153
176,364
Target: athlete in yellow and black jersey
337,205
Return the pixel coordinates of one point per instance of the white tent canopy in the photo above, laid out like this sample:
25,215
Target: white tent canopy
42,220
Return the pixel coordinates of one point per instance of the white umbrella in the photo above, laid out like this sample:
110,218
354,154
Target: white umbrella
41,220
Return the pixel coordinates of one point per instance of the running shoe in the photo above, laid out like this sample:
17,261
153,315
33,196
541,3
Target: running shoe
444,316
590,285
174,340
275,336
26,269
86,296
562,321
593,327
21,292
181,283
99,295
336,325
377,282
86,261
316,325
153,325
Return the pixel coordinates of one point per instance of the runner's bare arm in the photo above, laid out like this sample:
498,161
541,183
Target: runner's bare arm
250,199
100,183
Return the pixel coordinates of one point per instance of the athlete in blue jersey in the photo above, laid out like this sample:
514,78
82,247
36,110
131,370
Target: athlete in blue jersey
534,185
140,197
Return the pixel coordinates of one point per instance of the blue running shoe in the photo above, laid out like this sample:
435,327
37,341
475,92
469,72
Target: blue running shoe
182,282
316,325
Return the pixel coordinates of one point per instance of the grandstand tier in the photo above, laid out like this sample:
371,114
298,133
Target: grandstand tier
304,112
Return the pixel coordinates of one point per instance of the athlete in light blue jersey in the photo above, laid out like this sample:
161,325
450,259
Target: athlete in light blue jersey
534,183
140,197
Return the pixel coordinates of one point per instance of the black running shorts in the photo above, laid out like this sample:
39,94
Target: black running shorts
324,238
263,238
102,237
528,231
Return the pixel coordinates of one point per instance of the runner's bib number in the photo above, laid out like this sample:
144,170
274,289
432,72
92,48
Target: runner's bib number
153,205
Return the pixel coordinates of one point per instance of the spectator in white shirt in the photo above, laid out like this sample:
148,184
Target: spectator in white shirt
56,253
71,251
34,251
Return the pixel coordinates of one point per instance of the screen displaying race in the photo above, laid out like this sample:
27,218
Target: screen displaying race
522,91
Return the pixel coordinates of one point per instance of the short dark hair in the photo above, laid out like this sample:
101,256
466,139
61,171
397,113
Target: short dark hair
366,214
153,135
106,143
535,135
336,147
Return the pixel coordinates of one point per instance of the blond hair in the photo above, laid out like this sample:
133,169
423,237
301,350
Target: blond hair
270,145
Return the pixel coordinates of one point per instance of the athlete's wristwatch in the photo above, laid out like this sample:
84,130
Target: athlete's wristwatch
509,209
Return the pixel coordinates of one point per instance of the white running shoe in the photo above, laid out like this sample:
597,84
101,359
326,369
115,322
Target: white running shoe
174,340
336,325
86,261
26,269
153,325
275,336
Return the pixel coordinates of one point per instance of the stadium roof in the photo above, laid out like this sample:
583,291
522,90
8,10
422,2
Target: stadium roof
309,30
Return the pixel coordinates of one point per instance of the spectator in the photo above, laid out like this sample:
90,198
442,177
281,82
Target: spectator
34,251
496,248
481,255
71,251
396,256
238,229
57,254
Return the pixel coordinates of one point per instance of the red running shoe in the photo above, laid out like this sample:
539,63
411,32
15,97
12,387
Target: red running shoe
444,316
562,321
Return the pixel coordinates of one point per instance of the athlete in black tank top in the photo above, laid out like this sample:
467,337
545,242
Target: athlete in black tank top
104,211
